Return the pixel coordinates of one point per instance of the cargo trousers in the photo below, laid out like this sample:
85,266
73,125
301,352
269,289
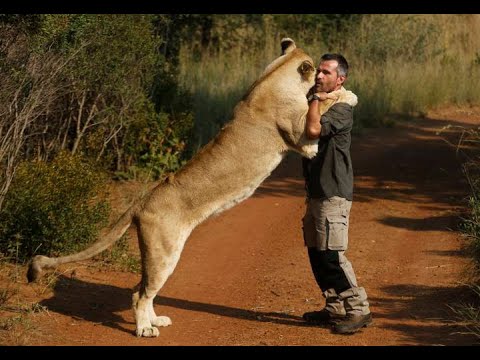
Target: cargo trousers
325,232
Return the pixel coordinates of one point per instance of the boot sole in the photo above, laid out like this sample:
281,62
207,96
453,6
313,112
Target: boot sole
323,322
367,324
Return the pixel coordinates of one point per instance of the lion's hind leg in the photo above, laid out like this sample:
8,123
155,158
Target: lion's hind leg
146,318
159,258
160,321
142,319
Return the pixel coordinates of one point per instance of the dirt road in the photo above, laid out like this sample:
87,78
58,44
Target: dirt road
244,278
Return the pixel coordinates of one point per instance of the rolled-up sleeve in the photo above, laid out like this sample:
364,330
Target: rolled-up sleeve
336,119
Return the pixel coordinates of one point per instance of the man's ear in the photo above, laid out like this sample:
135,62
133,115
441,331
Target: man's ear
287,45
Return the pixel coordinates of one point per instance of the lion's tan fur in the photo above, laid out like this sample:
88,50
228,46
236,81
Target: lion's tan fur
268,122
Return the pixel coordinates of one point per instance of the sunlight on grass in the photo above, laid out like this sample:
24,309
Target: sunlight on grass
427,62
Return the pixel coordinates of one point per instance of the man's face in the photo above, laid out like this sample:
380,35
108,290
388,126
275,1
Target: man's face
327,79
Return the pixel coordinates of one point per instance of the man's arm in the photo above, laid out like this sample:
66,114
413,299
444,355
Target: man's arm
313,127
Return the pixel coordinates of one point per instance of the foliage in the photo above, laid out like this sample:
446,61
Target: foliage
158,145
53,208
471,225
329,29
468,313
115,77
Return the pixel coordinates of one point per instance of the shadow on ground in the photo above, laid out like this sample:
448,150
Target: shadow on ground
99,303
430,309
96,303
433,223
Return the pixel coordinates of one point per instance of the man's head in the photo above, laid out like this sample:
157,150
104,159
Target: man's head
331,73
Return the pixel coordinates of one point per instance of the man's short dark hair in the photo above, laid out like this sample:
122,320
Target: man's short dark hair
342,69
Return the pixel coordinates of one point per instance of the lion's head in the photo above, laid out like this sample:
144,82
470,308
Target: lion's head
280,95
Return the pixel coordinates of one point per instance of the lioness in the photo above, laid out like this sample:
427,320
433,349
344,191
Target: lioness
267,122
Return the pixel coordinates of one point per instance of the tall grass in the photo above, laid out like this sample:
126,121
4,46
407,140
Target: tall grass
412,63
398,64
469,312
217,83
471,226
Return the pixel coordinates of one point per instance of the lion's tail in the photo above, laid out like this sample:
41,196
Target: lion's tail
39,262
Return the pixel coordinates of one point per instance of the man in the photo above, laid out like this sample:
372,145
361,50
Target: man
329,185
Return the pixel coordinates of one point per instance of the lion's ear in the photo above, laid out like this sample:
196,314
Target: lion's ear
306,68
287,45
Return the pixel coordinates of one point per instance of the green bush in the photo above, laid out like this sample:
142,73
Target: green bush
115,90
156,147
53,208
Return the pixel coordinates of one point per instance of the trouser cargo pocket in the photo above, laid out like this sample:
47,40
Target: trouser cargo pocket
337,232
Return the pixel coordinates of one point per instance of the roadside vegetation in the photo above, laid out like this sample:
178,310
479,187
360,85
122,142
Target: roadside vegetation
469,311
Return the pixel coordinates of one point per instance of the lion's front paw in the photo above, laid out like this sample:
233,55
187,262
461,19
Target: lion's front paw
309,151
161,321
148,332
